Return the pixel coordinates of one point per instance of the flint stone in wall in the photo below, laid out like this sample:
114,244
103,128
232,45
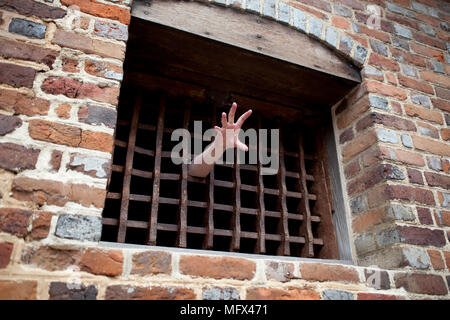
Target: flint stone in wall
79,227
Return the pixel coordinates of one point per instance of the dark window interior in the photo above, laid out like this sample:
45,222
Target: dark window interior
173,78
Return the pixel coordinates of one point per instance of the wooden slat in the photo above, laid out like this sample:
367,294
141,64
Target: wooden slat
284,248
182,211
260,218
127,170
306,228
208,243
236,216
151,237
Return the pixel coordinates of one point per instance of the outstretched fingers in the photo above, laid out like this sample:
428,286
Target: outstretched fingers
224,120
242,118
232,113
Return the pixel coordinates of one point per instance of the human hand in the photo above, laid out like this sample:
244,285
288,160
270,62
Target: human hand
230,130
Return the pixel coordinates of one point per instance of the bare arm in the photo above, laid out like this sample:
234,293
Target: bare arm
227,137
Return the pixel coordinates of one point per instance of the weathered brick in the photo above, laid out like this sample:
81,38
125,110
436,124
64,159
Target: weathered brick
345,136
368,219
436,259
441,104
383,62
100,262
281,294
18,290
15,221
216,293
5,253
352,112
17,76
27,28
70,65
63,111
54,132
279,271
421,283
93,166
33,8
377,296
97,115
435,78
359,144
151,262
111,30
51,259
428,130
55,160
65,291
126,292
25,51
17,158
437,180
416,258
387,90
445,134
412,194
217,267
8,124
328,272
352,169
88,45
97,141
40,225
432,146
403,56
424,216
79,227
101,10
422,236
78,90
414,84
19,103
104,70
415,176
387,120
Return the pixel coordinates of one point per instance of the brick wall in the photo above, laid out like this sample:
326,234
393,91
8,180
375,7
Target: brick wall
60,75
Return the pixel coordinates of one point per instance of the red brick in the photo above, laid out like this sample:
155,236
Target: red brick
8,124
368,219
103,69
441,104
391,78
385,119
14,221
97,141
426,129
70,65
217,267
435,78
352,112
445,134
411,194
21,104
18,290
361,143
347,135
108,263
431,146
423,113
88,45
434,42
17,76
386,90
447,259
377,296
414,84
328,272
24,51
443,219
40,225
125,292
402,156
352,169
436,259
17,158
374,33
51,259
310,10
426,51
415,176
54,132
55,160
396,107
367,180
56,193
407,57
281,294
421,236
402,20
442,93
421,283
437,180
424,216
78,90
340,22
63,111
383,62
371,156
101,10
151,262
5,253
29,7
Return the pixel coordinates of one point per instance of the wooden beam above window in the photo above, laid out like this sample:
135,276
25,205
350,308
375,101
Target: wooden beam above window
247,31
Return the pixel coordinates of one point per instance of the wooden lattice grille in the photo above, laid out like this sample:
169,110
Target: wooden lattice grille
152,201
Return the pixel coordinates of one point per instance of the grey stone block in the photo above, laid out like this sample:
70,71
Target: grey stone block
284,12
299,19
360,54
379,47
331,36
417,258
315,27
387,237
406,140
220,294
435,164
269,8
28,28
402,31
399,212
341,10
422,100
252,5
386,135
79,227
111,30
378,102
337,295
358,204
